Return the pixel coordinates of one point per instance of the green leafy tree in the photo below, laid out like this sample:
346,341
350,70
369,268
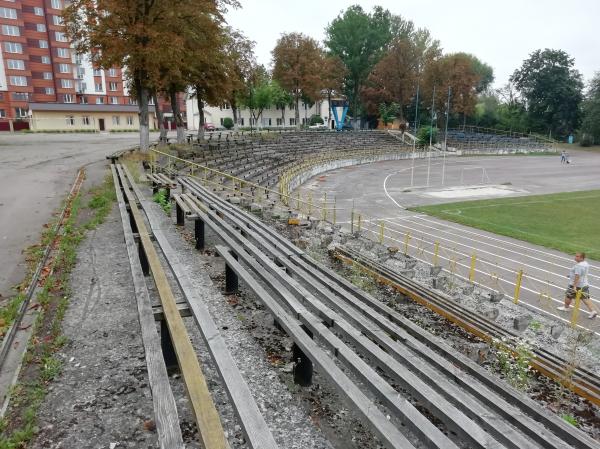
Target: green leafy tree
590,126
552,88
360,40
281,99
259,94
228,122
388,112
296,67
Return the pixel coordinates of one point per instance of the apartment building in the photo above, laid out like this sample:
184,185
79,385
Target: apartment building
44,85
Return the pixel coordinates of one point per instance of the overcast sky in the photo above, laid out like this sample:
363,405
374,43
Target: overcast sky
502,34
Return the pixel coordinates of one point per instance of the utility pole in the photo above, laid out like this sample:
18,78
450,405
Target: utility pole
430,136
446,136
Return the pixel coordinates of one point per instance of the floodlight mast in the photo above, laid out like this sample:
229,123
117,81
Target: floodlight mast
412,170
430,136
446,135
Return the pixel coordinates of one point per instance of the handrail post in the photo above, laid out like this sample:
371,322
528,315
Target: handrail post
518,286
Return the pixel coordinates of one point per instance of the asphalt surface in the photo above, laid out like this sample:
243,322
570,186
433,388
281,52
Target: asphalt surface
36,173
381,191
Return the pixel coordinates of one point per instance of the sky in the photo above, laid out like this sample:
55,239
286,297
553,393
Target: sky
501,33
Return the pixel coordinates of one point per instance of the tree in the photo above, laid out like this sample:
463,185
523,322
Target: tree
590,126
360,40
259,94
454,72
552,89
296,67
141,35
332,79
281,99
485,71
393,79
388,112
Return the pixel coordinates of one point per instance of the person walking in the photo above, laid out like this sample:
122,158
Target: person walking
578,281
563,157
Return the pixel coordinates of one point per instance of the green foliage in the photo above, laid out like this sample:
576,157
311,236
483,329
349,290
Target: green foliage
228,122
514,365
388,112
483,70
360,40
535,325
570,419
315,120
160,197
553,90
425,133
590,126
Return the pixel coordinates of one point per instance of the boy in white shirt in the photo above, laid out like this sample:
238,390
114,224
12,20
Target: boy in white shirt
578,280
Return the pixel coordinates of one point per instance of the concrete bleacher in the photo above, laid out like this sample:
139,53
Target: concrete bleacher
466,139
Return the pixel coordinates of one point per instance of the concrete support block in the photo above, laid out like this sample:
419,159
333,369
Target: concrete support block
522,322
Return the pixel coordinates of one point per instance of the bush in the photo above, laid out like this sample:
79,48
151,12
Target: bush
228,122
423,135
315,120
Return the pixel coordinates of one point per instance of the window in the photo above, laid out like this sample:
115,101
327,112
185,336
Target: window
80,72
84,100
70,120
279,122
98,87
10,30
66,84
45,60
112,72
49,90
40,27
16,64
221,121
112,86
38,11
20,112
268,122
114,100
17,80
304,120
81,87
2,113
130,120
60,37
242,121
97,72
116,120
20,96
85,120
57,20
292,121
47,75
64,68
68,98
13,47
62,52
99,100
8,13
132,100
56,4
43,43
151,101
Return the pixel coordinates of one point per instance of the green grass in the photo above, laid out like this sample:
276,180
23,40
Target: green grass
565,221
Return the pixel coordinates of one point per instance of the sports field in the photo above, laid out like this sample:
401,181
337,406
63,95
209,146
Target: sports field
568,222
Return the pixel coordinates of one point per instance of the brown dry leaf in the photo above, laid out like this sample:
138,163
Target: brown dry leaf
149,425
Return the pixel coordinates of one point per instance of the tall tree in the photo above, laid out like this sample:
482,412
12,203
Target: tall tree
590,126
332,79
141,35
552,88
485,71
361,39
296,67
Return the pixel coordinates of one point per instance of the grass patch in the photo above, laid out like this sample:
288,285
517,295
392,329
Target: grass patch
567,222
40,364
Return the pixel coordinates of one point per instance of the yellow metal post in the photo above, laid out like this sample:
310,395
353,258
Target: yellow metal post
472,269
381,231
436,253
518,286
406,240
576,309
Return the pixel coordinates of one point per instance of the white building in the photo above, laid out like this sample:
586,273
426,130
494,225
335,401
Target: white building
270,118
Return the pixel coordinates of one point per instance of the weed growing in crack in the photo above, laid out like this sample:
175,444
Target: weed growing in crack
514,363
160,197
570,419
360,279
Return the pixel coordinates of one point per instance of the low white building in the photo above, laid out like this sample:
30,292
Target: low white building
270,118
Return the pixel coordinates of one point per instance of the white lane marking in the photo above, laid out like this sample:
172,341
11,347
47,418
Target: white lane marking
508,242
521,302
506,281
480,251
387,193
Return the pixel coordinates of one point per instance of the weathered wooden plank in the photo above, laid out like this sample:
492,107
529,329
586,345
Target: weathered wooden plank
165,408
205,413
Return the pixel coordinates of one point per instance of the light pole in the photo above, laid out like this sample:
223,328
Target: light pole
412,170
446,135
430,136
